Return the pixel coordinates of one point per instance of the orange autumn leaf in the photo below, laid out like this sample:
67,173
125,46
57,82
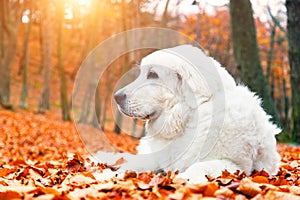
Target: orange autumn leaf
224,192
59,173
210,189
260,179
249,188
119,162
5,171
10,195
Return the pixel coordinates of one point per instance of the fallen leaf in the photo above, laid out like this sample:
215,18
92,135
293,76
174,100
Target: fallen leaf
176,196
224,192
260,179
10,195
130,174
249,188
281,195
210,189
73,165
120,161
5,171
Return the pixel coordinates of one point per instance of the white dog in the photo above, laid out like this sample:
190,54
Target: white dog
199,121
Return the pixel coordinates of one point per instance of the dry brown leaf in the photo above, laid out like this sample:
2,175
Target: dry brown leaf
119,162
280,195
145,176
224,181
73,165
197,188
130,174
77,180
156,181
224,192
249,188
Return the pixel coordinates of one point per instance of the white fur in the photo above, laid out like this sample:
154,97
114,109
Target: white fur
190,130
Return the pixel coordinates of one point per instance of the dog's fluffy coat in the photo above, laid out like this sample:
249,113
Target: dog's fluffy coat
199,121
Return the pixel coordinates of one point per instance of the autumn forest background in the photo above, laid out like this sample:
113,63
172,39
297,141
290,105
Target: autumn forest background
43,43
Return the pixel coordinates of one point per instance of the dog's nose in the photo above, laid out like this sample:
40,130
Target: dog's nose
120,97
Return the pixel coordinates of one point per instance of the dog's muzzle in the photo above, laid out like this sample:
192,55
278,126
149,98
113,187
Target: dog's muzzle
120,98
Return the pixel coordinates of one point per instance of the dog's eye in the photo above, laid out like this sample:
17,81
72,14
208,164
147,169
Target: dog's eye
152,75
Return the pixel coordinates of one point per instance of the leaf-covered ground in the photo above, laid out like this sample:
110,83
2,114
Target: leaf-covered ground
43,158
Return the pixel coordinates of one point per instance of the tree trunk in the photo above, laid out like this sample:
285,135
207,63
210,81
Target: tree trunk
46,27
124,65
85,108
92,29
10,19
24,63
293,27
270,52
97,118
247,55
286,106
104,112
65,106
164,19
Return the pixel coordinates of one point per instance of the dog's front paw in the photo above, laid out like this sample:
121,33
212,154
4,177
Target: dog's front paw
198,172
193,177
132,165
107,157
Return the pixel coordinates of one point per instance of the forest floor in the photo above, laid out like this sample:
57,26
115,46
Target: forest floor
43,158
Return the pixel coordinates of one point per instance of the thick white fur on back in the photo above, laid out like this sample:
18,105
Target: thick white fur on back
199,120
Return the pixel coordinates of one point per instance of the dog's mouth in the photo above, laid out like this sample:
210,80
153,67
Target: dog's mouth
149,116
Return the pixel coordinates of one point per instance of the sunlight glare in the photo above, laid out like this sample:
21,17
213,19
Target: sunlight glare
83,2
25,19
217,2
68,13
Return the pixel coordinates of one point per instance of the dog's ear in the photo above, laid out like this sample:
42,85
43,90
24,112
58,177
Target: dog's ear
184,90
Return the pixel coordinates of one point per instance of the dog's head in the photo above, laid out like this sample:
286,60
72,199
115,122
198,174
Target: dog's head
166,90
155,91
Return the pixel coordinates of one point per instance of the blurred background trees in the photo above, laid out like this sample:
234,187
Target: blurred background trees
293,28
11,13
246,53
43,43
46,44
